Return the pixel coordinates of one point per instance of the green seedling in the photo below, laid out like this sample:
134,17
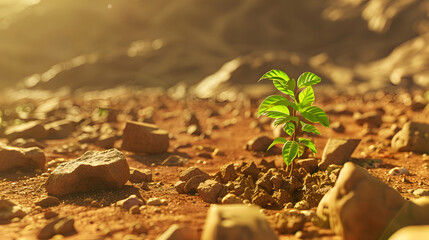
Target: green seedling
295,112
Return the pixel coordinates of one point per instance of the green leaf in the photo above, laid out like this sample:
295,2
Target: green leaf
301,149
308,79
308,143
289,128
309,128
276,75
275,114
289,151
284,88
281,120
306,97
275,103
277,140
315,114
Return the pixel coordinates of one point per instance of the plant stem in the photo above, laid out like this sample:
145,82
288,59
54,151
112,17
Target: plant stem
296,129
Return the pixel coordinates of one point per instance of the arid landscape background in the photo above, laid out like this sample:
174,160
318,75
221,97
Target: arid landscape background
173,86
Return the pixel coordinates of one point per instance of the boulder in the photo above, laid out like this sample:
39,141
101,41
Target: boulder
21,158
412,137
236,222
145,138
93,170
359,195
337,151
33,129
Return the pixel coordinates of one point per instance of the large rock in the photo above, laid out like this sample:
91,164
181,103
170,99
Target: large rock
9,210
412,137
22,158
93,170
358,195
236,222
144,137
33,129
411,233
415,212
337,151
177,232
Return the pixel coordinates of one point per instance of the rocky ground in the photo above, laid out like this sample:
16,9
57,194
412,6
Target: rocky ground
131,164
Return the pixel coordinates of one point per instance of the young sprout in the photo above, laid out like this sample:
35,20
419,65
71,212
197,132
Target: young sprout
286,110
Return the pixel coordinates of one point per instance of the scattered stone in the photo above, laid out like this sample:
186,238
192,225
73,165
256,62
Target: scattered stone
59,129
129,202
411,232
106,140
134,209
93,170
174,160
288,222
21,158
413,137
154,202
259,144
63,226
398,171
282,197
9,210
337,127
180,187
144,137
191,172
193,183
50,214
177,232
337,151
388,133
236,221
262,198
48,201
228,173
28,143
250,169
359,195
421,192
231,199
193,130
138,176
139,228
372,118
209,190
309,164
33,129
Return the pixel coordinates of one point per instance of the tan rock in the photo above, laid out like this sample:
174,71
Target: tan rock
337,151
59,129
10,210
358,195
144,137
412,137
209,190
289,222
138,176
411,233
93,170
231,199
236,221
48,201
187,174
177,232
33,129
63,226
129,202
21,158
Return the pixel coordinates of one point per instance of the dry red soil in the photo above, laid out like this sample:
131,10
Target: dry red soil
234,121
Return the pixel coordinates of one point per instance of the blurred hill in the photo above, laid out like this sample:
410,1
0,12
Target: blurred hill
368,44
